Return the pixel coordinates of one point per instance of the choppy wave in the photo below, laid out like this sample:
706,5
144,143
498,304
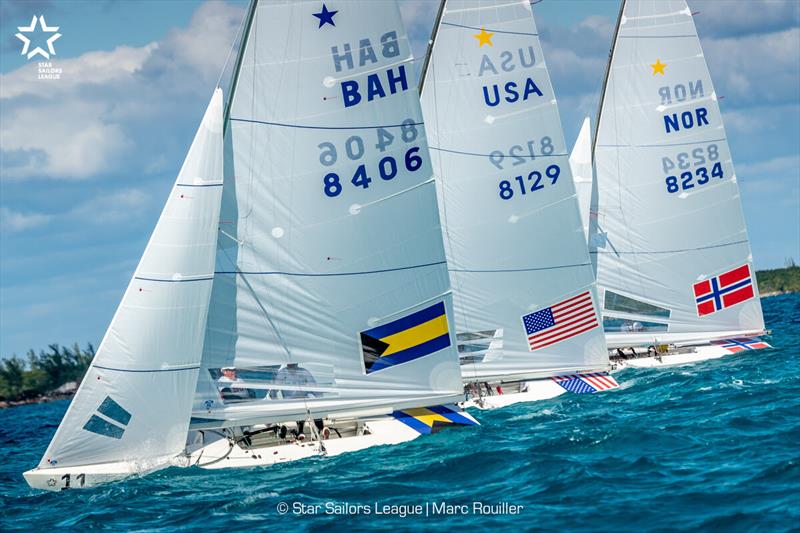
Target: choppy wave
714,446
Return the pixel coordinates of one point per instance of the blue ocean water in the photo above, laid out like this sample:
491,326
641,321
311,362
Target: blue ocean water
713,446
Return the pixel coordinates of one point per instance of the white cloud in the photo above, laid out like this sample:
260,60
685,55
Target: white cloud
737,18
91,68
113,207
757,68
12,221
98,118
784,164
70,139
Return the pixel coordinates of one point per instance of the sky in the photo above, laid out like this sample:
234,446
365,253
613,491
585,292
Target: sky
87,160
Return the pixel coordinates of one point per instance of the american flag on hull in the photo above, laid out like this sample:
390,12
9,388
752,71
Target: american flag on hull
587,383
561,321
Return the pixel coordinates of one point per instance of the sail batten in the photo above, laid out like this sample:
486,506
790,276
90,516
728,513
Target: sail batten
666,228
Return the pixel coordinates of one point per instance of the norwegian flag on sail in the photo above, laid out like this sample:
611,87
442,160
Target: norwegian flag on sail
722,291
587,383
561,321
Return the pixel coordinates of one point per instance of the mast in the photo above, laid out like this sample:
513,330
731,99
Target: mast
605,77
431,42
251,12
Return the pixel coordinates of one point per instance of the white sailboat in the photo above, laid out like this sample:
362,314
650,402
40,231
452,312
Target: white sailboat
524,293
294,298
666,228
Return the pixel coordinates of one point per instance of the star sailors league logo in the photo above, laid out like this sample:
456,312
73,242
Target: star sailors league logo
26,39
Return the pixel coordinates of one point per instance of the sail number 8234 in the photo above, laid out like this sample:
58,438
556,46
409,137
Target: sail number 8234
535,181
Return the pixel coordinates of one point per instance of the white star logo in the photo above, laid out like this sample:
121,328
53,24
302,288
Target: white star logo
26,42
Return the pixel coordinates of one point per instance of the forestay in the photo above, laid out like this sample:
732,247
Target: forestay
523,285
669,237
135,401
331,293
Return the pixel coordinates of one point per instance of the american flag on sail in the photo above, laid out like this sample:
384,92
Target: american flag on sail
725,290
561,321
587,383
741,344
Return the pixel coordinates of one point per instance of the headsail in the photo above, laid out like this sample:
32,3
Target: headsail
580,162
331,292
673,259
135,401
523,285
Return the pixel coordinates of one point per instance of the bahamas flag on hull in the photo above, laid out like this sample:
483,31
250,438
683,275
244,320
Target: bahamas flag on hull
405,339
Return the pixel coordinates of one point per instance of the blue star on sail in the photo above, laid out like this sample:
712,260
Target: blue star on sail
325,16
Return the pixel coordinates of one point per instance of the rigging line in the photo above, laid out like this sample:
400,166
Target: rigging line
447,243
302,126
325,274
251,12
446,237
429,51
230,51
261,306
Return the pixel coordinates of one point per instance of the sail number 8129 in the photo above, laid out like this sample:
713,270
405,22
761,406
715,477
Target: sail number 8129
535,182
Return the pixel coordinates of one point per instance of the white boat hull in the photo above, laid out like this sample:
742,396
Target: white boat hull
540,389
61,478
221,454
691,355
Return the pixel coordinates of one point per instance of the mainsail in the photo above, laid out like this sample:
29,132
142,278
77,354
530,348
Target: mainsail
580,162
135,401
667,231
524,292
331,293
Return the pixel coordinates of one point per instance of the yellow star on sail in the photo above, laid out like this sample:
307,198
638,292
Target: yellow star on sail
658,67
484,37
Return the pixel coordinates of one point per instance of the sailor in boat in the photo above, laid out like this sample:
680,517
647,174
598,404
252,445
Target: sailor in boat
229,391
293,375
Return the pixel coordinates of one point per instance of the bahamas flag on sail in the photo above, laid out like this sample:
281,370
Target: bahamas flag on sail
410,337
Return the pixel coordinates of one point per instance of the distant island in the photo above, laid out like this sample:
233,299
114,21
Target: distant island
55,374
48,375
779,280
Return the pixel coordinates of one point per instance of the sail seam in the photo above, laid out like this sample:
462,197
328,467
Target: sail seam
490,29
326,274
652,36
674,251
173,280
194,367
532,269
489,155
301,126
657,145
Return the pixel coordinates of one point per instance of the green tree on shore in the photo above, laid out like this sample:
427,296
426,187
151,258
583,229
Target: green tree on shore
43,372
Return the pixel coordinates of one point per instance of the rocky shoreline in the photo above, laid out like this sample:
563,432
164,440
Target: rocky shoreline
65,391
